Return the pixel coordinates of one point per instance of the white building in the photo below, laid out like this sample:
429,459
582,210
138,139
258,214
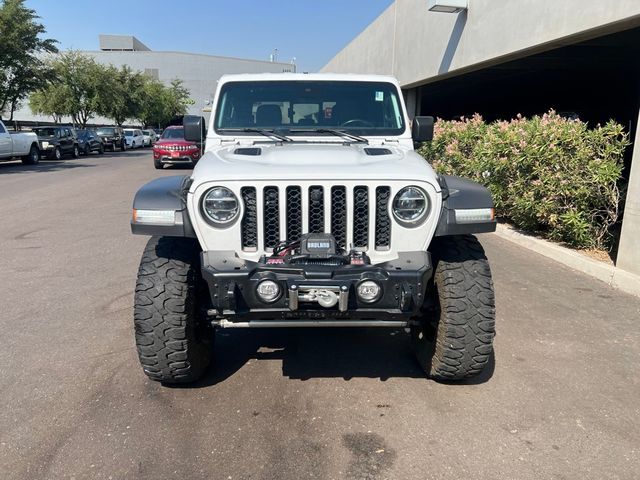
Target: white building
198,72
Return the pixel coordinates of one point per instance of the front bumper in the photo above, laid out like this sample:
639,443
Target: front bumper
233,282
171,160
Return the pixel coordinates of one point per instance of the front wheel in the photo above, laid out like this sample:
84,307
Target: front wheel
57,153
454,338
157,164
123,146
87,150
76,151
101,149
173,338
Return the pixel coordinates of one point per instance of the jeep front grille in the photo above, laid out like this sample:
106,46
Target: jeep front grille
289,212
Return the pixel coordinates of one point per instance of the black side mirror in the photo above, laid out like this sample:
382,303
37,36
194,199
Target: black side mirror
194,128
422,129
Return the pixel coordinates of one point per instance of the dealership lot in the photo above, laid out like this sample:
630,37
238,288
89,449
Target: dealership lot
560,402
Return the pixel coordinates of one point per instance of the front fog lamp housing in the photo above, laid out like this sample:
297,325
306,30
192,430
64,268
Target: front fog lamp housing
268,291
410,206
220,206
369,291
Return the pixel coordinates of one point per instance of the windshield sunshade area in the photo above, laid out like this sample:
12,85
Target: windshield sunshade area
308,108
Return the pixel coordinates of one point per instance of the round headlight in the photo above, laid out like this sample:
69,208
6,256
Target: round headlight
268,291
369,291
220,205
410,205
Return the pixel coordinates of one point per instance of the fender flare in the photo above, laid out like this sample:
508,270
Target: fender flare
165,194
462,194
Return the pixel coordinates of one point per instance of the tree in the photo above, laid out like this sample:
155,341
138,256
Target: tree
51,101
125,93
79,87
160,104
22,69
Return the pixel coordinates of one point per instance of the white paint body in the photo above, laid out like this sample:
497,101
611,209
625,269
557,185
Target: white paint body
15,144
329,163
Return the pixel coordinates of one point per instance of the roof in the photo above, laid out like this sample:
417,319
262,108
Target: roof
340,77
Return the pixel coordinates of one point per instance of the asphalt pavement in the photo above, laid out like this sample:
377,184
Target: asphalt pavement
561,400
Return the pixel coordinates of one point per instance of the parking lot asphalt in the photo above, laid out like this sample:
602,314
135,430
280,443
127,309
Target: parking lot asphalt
560,401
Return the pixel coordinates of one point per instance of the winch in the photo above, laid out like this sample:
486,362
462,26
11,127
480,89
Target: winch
325,296
314,249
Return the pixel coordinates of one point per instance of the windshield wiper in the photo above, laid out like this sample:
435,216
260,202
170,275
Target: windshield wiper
261,131
333,131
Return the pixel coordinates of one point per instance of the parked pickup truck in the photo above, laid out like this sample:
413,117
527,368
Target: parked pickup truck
310,208
22,145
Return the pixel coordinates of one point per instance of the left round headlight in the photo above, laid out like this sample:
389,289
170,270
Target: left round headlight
220,206
410,206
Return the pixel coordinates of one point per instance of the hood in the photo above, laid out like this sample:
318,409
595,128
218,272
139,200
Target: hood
311,161
172,141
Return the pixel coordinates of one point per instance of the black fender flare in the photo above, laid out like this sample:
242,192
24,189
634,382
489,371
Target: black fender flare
164,194
462,194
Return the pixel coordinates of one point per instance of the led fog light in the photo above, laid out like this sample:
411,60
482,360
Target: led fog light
268,291
369,291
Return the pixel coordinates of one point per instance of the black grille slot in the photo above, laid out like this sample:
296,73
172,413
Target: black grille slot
249,223
360,217
383,222
294,213
339,215
271,217
316,209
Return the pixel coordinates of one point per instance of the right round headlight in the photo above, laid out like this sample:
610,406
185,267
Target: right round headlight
220,206
410,205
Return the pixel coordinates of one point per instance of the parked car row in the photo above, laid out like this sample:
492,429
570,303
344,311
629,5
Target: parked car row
55,142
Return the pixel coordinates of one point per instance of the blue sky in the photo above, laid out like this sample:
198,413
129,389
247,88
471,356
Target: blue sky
313,31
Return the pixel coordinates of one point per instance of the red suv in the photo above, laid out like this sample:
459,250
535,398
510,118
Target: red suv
173,149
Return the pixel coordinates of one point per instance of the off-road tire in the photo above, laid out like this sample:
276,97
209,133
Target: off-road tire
173,342
455,338
33,157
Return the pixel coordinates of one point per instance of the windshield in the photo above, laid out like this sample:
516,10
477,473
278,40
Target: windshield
173,133
45,132
106,131
128,133
360,108
82,134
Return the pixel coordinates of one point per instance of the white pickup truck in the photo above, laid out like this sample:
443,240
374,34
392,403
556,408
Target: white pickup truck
22,145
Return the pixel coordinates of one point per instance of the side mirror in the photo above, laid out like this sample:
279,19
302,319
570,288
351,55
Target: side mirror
422,129
194,129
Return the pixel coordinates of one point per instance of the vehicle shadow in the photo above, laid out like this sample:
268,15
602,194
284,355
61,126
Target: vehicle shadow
16,167
308,353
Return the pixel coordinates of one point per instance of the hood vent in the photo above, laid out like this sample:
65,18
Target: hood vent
252,151
375,151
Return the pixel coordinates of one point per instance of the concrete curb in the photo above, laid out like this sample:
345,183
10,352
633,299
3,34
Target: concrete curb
615,277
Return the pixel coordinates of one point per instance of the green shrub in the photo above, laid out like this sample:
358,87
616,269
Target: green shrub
547,174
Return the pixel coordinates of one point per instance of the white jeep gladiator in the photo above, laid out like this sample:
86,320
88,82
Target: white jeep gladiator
21,145
310,208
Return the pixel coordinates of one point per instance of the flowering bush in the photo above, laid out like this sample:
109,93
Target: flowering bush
547,174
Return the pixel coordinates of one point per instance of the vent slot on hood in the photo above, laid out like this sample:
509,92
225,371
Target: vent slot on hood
375,151
252,151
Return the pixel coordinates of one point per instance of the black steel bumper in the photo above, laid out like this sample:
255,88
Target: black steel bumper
233,285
